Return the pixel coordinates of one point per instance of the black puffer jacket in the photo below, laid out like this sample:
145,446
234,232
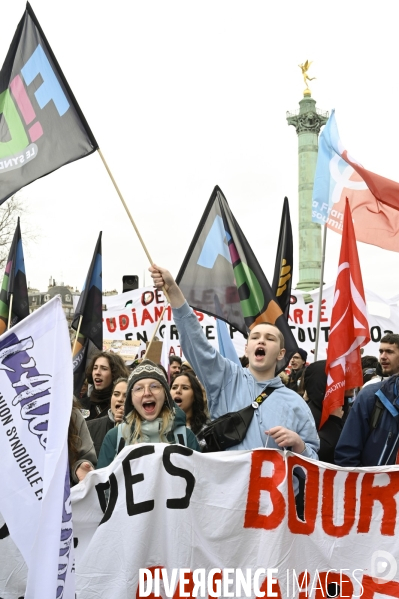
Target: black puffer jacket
315,383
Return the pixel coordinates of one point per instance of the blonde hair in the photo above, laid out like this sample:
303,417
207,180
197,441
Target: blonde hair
134,420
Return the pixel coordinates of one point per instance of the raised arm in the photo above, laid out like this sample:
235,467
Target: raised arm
213,370
164,280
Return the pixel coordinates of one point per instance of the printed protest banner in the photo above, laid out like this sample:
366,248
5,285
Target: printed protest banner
35,408
225,525
383,317
194,514
133,316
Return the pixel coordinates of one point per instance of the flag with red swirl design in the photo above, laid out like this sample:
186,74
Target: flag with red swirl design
349,329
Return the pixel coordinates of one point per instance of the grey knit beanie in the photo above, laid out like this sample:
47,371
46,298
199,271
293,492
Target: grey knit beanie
147,370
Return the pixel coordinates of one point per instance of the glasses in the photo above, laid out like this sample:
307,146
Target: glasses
369,371
154,389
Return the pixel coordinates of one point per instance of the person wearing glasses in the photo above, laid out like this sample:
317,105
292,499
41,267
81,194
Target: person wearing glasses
151,416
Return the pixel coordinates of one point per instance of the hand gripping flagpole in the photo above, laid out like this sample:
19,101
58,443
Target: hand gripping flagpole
323,259
140,239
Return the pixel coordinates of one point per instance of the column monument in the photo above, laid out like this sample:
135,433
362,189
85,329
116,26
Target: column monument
307,121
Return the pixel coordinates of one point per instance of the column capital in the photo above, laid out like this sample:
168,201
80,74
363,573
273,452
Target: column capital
308,119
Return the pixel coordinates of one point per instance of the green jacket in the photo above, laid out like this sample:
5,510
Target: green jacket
108,449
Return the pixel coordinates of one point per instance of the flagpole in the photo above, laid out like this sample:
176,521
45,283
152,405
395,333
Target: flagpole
77,334
125,206
147,253
323,258
155,332
10,312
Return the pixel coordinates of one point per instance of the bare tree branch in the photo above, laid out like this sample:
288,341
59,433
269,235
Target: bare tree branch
9,213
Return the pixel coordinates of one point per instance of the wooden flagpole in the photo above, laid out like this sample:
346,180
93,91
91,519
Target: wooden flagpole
125,206
155,332
10,312
77,334
140,239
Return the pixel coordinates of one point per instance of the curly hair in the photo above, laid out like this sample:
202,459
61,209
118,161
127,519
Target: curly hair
117,365
200,414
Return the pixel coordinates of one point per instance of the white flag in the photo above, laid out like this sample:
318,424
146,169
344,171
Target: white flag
35,408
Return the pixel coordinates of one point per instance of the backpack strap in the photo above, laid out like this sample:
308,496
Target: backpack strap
180,435
387,404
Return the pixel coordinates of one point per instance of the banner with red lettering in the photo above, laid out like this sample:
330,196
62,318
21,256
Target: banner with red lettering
167,507
134,315
383,318
225,525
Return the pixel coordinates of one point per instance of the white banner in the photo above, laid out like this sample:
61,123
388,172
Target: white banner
165,506
35,407
225,525
134,316
383,317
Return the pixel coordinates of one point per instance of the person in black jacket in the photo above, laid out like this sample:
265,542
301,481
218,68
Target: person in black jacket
314,383
102,371
99,427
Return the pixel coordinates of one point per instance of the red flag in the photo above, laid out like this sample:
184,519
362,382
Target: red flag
349,329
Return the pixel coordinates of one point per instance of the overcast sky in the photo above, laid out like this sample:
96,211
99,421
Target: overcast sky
185,95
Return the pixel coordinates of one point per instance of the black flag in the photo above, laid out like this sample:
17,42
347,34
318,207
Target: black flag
221,263
89,311
14,285
41,125
282,280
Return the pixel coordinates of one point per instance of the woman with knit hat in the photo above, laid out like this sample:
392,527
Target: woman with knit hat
151,416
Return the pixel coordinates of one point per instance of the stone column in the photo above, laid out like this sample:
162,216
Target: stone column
307,122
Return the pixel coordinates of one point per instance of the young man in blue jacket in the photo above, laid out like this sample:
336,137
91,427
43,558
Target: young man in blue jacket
370,436
283,419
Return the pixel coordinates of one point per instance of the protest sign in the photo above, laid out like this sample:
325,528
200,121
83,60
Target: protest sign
225,525
173,508
134,316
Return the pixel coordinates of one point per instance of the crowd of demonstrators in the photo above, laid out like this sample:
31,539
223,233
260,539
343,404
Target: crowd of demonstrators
298,367
145,408
284,419
188,393
150,415
103,370
99,427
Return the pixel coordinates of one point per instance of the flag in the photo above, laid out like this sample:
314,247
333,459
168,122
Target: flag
41,125
14,285
282,279
349,330
35,407
89,308
373,200
221,263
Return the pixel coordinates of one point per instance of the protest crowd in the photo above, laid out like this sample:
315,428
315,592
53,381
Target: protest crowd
67,422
